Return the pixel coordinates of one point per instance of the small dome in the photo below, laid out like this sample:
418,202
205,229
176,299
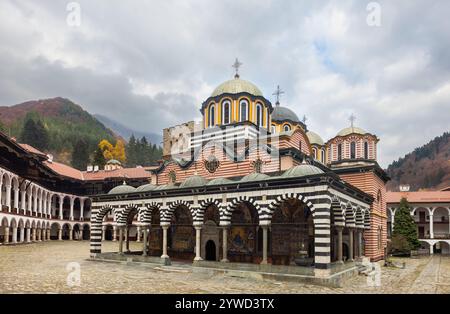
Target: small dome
219,181
236,86
302,170
193,181
164,187
146,188
314,138
351,130
254,177
122,189
282,114
113,162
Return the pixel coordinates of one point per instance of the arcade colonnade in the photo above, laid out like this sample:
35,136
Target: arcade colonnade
30,212
332,214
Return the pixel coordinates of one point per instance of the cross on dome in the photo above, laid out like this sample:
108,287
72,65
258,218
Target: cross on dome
278,93
352,119
236,65
304,119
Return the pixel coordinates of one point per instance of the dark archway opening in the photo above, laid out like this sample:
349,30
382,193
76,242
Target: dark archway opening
210,251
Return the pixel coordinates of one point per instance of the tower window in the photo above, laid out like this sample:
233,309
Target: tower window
287,128
226,112
323,155
259,116
244,110
340,152
211,116
366,150
315,153
352,150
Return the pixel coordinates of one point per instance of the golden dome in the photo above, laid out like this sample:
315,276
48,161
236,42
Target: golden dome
351,130
314,138
236,86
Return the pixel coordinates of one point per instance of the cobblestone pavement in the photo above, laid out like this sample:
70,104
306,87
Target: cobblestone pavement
41,268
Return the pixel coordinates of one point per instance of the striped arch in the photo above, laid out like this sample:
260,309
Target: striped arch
145,212
122,219
337,211
96,228
359,218
228,211
199,212
166,214
367,219
350,219
98,218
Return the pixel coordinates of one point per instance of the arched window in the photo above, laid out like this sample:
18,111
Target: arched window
339,151
243,110
323,155
366,150
226,112
287,128
259,115
314,153
211,116
352,150
273,129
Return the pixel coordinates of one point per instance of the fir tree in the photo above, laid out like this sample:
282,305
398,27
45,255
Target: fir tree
99,160
35,134
404,237
80,155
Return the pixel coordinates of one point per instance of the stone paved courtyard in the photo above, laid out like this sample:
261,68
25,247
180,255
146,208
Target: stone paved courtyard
41,268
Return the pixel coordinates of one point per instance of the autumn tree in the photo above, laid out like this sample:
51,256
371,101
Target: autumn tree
111,151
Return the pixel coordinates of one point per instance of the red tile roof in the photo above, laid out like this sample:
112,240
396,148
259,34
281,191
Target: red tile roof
129,173
64,170
419,197
31,149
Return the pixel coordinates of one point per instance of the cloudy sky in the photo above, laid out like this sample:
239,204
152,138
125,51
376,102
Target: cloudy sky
150,64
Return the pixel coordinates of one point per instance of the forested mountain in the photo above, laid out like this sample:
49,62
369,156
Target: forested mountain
427,167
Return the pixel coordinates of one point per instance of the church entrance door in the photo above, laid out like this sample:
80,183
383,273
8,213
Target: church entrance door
210,251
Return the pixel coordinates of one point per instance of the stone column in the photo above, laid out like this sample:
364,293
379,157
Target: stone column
103,233
198,230
70,233
72,202
50,207
6,235
115,233
22,235
265,243
14,235
28,235
138,234
225,244
82,209
431,227
34,234
16,199
48,234
145,242
8,198
120,240
127,239
44,233
350,245
23,201
60,234
61,203
164,228
339,244
392,223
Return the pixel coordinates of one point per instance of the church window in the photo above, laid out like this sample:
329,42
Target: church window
352,150
287,128
323,155
314,153
273,129
339,148
226,112
243,110
259,115
366,150
257,165
211,116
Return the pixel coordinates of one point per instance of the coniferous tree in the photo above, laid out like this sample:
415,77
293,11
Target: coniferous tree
99,160
404,238
80,155
35,134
